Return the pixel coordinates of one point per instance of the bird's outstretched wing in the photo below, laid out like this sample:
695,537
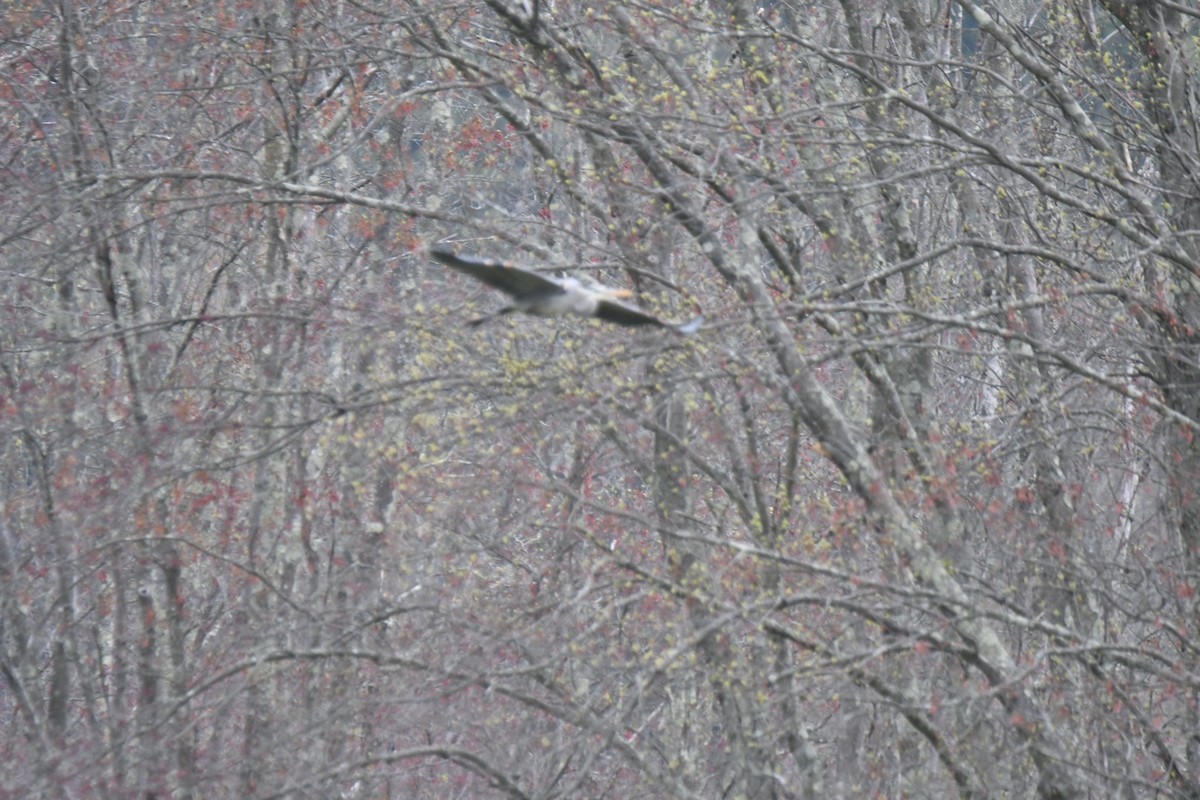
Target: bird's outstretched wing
625,314
514,281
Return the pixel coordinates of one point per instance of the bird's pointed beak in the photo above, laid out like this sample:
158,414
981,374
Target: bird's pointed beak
621,294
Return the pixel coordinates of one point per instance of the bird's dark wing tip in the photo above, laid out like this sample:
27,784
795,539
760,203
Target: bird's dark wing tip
452,258
623,314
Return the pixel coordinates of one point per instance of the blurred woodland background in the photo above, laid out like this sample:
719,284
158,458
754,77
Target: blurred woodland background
916,514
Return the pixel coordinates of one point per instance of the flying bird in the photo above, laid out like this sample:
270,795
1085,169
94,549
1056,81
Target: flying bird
544,296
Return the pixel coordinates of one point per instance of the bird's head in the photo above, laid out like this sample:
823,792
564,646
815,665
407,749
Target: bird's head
605,292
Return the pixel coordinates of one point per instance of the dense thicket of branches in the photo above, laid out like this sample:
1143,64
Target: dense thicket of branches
916,513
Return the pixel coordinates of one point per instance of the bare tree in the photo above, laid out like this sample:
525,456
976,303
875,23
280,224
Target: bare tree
914,513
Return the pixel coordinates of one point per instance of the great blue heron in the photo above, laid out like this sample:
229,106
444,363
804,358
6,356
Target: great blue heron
544,296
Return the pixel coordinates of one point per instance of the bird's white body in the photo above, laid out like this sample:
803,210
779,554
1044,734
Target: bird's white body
572,297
